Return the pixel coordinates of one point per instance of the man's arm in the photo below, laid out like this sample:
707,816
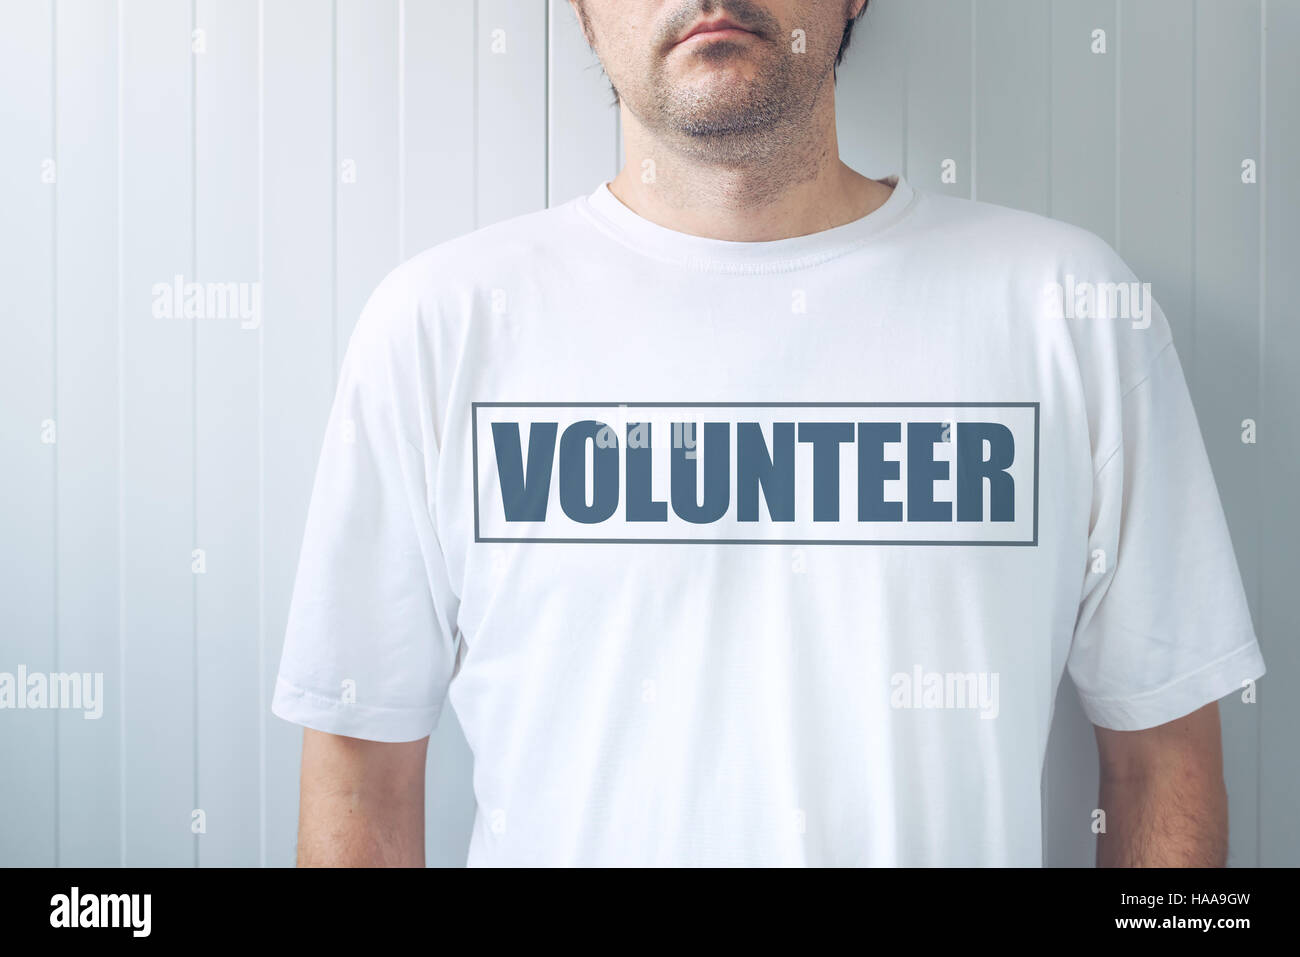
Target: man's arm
361,803
1163,793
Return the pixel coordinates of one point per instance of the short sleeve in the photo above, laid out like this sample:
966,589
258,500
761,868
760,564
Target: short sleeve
370,643
1164,627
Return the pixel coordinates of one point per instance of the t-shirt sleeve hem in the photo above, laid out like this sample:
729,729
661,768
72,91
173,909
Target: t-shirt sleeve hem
335,716
1179,697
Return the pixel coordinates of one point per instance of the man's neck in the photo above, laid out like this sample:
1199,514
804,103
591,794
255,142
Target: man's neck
794,184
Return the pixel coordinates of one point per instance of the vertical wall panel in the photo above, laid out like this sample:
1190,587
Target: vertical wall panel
1226,355
297,378
1156,155
618,134
582,118
449,794
871,92
437,122
511,119
939,101
27,738
1012,89
226,438
1071,782
88,382
1280,442
158,434
1082,70
366,90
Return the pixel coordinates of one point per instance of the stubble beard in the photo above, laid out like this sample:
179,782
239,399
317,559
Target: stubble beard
743,123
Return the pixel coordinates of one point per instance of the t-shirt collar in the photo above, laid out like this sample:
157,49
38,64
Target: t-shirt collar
719,255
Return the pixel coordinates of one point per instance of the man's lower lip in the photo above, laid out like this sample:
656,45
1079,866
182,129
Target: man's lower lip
728,32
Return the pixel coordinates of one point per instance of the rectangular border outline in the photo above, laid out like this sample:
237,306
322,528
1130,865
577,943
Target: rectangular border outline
474,407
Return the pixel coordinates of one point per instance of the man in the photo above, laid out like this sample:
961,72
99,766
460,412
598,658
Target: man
749,510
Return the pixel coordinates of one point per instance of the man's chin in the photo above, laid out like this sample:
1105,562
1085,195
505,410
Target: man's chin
722,125
720,89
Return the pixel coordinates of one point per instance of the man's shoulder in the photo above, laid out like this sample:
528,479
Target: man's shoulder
442,284
986,233
492,251
1071,278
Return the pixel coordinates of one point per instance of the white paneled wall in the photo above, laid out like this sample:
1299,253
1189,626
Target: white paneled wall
157,467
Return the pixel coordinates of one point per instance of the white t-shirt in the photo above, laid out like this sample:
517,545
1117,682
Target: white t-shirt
762,553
